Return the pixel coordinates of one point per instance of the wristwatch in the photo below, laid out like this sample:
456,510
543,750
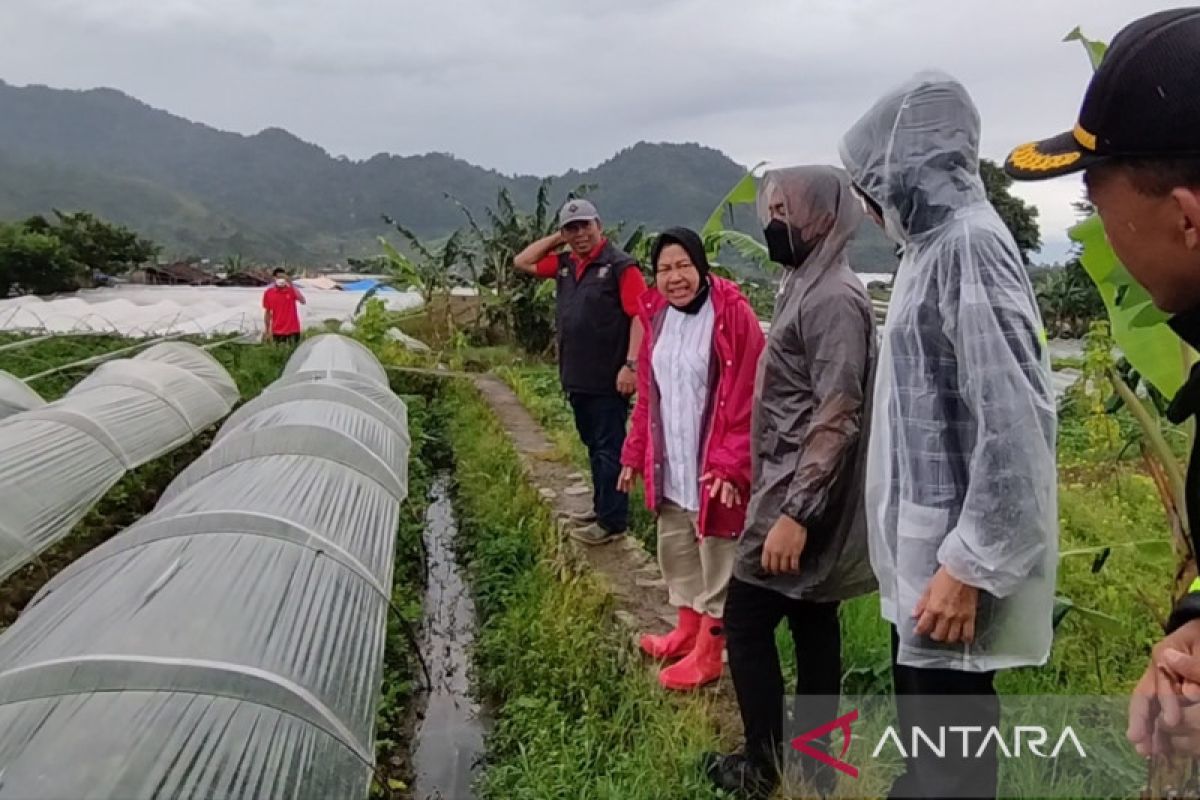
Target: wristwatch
631,364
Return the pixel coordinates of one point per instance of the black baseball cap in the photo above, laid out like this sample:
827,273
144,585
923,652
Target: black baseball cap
1143,101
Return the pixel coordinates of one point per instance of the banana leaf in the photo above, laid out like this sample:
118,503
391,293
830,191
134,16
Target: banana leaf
1137,326
1104,622
743,192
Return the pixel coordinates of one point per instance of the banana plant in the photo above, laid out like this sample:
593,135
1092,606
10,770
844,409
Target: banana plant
429,271
1152,350
1138,327
716,235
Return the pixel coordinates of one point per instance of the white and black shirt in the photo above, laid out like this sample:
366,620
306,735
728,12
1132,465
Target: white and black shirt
680,362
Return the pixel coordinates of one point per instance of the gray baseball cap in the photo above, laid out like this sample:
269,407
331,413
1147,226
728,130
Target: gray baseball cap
576,210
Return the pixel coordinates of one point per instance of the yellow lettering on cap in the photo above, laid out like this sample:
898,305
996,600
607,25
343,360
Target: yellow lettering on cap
1085,139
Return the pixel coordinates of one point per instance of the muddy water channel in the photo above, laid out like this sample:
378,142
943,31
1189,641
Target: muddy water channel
448,744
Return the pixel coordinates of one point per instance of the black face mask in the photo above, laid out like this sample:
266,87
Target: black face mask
785,245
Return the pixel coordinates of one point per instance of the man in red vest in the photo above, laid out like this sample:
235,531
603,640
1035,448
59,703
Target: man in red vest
597,302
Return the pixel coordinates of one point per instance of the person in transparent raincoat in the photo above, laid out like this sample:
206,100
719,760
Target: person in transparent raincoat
960,488
804,549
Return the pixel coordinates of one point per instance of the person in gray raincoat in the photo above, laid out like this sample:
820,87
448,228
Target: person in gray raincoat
961,484
804,548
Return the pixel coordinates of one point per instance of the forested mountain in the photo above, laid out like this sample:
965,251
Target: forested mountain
201,191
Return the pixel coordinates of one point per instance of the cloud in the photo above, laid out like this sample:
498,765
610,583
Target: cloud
540,86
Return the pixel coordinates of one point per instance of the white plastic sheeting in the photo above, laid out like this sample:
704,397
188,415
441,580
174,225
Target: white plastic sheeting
58,459
230,644
16,396
164,310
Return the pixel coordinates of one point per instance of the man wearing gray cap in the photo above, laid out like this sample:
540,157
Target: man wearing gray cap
599,289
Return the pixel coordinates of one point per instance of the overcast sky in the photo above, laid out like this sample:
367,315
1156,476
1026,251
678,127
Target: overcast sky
538,86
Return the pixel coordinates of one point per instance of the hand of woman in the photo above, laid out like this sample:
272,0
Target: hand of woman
723,490
784,546
625,480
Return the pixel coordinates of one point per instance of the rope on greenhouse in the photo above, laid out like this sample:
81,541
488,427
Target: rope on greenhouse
318,390
198,523
97,359
25,342
102,357
292,440
132,673
72,418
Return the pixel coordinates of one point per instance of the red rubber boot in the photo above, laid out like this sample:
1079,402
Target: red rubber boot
678,642
702,665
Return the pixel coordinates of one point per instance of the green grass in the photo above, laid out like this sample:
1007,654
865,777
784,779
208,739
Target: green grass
253,367
576,713
537,387
575,710
1105,500
56,352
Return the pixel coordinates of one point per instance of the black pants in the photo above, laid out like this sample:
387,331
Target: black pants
921,700
600,420
286,338
752,614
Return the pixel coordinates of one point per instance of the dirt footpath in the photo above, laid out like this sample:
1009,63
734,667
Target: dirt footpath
631,574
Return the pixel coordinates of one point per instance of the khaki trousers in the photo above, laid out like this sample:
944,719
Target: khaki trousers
696,571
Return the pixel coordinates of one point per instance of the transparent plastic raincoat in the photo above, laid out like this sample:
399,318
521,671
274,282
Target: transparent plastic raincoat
961,469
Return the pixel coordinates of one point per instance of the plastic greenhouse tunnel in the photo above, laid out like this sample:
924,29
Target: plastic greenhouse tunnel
58,459
16,396
230,644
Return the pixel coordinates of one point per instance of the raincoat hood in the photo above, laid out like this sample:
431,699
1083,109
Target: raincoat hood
820,211
916,154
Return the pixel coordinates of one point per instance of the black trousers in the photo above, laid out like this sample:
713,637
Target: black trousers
752,614
921,700
600,420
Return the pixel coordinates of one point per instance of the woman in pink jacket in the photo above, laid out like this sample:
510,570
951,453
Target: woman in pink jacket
690,441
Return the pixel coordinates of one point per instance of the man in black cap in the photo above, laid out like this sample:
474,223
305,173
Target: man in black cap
598,292
1138,142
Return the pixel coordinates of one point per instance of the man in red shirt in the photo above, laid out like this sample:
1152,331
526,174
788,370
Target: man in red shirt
597,301
281,319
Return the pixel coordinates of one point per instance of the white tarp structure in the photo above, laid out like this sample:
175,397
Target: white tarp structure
230,644
58,459
320,282
16,396
164,310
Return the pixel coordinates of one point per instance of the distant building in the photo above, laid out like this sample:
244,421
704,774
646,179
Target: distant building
178,274
247,277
